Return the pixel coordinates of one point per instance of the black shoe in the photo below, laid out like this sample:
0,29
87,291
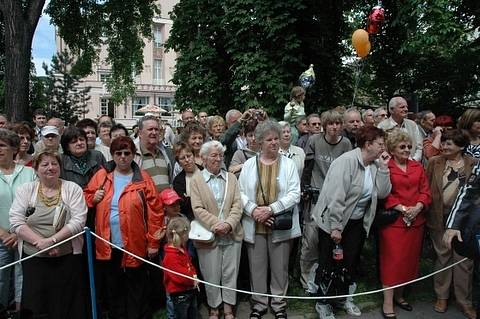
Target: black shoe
403,304
389,315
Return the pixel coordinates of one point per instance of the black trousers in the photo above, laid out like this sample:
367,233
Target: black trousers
353,238
125,288
54,288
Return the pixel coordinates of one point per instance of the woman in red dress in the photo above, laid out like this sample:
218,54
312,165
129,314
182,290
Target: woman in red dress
401,242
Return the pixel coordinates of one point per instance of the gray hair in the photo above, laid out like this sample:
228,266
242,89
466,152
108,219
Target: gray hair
352,110
284,124
206,147
376,112
147,118
394,102
265,127
231,113
10,137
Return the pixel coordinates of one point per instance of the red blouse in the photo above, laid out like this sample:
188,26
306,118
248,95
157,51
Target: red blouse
408,188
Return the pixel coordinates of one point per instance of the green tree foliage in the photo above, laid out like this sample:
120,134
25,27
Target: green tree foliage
202,70
428,51
234,54
66,99
244,52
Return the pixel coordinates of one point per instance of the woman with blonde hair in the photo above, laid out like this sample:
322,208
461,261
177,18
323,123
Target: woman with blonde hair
401,241
215,127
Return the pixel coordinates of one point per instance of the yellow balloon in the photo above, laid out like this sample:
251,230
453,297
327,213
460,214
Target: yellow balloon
364,51
360,39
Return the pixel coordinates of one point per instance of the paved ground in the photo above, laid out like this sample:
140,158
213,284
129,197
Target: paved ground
421,310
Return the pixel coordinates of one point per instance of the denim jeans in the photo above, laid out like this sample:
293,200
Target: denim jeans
185,305
8,255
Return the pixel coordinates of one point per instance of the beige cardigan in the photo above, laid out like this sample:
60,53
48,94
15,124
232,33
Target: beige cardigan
206,210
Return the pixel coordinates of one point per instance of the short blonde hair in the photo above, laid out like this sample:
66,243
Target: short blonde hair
177,228
395,137
216,119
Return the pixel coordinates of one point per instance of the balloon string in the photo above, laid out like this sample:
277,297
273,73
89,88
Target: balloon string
358,72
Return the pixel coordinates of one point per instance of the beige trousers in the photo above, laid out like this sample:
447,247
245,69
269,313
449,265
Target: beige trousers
264,255
458,277
308,250
220,266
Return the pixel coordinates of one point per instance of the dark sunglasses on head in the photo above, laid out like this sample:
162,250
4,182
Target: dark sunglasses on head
125,153
402,147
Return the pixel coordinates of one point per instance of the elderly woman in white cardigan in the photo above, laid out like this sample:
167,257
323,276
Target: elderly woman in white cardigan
216,204
43,213
269,186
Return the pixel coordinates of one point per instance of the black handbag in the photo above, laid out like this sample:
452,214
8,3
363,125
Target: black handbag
282,220
384,217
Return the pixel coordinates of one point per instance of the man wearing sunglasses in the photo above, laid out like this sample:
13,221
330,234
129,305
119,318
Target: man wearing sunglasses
398,108
314,127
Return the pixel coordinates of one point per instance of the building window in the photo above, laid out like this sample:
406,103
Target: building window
157,36
166,103
157,72
103,106
139,102
104,77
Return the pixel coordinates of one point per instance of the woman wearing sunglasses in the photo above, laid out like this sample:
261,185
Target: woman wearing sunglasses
129,215
401,241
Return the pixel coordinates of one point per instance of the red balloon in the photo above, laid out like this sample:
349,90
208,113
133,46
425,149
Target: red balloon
375,19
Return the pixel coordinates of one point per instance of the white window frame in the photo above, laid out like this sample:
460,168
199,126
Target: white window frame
138,102
157,36
104,106
157,72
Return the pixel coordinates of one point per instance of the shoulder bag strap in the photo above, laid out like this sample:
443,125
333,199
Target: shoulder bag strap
260,180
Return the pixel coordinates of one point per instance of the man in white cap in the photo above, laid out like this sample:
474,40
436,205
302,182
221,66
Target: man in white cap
50,140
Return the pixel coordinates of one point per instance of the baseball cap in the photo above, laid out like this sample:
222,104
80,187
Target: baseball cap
169,196
50,130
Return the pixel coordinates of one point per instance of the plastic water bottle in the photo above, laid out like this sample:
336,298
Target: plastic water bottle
337,252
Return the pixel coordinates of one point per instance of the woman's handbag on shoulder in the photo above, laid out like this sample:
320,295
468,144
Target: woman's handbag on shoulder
200,233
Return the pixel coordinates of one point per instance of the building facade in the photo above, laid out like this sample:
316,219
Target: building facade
153,84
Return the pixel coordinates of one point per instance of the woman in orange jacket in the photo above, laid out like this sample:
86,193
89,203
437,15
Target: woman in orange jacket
128,214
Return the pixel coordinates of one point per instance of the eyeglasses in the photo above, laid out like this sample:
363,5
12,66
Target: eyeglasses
403,146
124,153
315,124
216,156
382,115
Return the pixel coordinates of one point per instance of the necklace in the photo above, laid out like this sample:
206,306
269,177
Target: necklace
455,163
49,201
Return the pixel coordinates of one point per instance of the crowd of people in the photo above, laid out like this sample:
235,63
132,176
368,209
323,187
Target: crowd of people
243,201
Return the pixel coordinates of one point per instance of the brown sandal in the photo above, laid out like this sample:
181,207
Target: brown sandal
228,315
213,313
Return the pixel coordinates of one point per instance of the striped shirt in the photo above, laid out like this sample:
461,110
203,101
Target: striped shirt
156,166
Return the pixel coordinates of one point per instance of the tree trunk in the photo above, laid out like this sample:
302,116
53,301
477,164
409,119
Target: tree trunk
20,24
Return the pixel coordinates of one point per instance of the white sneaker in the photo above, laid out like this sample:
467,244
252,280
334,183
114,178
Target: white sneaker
324,311
351,308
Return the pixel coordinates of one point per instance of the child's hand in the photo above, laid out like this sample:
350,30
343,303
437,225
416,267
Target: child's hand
195,283
160,234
